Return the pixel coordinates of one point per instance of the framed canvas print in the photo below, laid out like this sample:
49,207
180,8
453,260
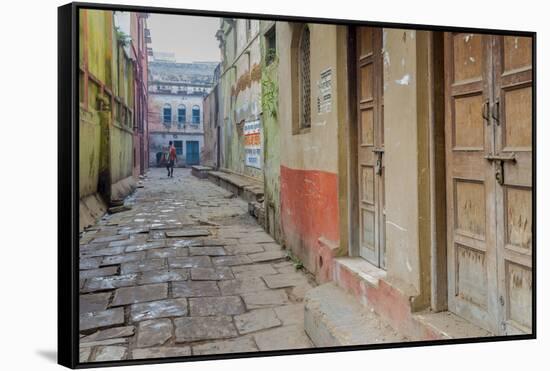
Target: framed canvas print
241,185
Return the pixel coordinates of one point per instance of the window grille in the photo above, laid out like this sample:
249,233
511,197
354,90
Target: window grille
305,80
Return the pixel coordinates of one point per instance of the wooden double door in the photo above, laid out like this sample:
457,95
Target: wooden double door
488,135
370,144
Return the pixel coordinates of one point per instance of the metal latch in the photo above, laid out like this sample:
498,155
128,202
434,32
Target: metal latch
499,169
379,152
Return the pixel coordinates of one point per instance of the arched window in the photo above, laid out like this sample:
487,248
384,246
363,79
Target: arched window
167,114
196,115
181,114
305,79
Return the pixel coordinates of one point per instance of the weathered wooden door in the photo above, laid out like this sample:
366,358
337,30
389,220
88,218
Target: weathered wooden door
513,163
488,154
370,144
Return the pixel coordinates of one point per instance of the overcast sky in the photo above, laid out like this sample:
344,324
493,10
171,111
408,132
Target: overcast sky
192,39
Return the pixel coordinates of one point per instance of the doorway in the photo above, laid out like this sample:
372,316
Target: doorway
369,117
192,152
488,136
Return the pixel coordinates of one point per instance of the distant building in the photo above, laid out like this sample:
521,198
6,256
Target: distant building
176,92
164,57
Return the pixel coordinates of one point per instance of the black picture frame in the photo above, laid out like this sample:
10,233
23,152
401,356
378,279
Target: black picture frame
68,145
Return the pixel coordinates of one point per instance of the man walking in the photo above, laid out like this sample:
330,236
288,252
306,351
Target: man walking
171,159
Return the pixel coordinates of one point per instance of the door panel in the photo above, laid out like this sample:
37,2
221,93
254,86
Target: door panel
513,133
370,144
470,184
488,124
192,152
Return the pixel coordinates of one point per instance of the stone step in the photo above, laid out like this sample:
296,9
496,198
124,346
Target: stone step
333,317
446,325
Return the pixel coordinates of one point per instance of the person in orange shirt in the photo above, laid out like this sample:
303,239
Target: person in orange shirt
172,159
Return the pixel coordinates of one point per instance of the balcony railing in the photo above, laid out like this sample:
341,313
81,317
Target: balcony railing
183,125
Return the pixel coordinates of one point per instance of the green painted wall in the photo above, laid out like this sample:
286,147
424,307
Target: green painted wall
106,136
271,142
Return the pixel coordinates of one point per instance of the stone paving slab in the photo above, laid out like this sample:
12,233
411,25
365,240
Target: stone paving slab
256,270
142,266
216,305
242,286
158,309
291,314
109,282
231,260
268,298
154,332
239,345
98,272
94,302
195,289
105,318
111,333
207,250
281,338
255,320
136,294
190,262
110,353
188,233
267,256
167,252
161,352
278,281
212,274
163,275
204,328
119,259
145,246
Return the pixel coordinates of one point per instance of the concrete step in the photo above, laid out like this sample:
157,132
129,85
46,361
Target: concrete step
446,325
335,318
200,171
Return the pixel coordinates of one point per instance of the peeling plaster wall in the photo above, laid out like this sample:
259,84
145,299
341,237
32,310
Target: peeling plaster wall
241,91
309,160
406,159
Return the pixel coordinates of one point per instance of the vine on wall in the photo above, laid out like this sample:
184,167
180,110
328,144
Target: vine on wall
270,93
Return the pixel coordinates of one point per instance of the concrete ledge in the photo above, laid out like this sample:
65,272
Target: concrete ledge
123,188
90,209
362,269
333,317
244,187
200,172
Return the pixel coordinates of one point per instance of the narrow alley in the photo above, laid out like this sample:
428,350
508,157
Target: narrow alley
186,271
333,185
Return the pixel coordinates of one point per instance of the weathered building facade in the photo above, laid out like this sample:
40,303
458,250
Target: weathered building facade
139,39
107,113
240,92
175,113
396,163
242,131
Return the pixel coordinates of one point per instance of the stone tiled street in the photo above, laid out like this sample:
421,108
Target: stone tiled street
186,271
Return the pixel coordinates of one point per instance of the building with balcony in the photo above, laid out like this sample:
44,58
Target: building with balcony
176,92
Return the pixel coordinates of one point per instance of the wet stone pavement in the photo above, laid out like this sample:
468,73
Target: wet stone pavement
186,272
